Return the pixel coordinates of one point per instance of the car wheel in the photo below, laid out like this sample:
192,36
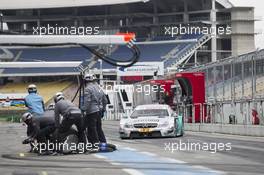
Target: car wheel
181,133
69,139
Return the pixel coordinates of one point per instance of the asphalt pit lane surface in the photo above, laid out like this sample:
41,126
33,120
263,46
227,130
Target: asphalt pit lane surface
29,173
20,156
46,158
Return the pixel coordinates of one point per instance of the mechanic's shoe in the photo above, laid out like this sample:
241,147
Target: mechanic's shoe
104,147
112,146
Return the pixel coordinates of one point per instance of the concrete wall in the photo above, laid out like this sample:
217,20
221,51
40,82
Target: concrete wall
243,13
243,30
246,130
242,27
242,112
242,43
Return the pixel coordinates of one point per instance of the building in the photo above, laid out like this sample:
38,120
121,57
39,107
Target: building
148,19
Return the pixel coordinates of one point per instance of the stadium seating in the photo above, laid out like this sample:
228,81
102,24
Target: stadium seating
147,52
169,53
152,52
70,92
49,54
183,49
13,88
54,54
46,90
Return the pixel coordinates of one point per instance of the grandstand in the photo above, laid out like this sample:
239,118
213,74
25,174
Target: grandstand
148,20
229,78
46,89
46,55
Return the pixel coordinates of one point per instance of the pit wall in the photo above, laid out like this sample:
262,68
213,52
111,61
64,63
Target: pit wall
245,130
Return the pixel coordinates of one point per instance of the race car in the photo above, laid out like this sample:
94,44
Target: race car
153,120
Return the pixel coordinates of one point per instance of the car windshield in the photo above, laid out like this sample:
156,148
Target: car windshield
150,112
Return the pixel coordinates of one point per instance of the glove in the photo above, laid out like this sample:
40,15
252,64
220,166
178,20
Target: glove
28,140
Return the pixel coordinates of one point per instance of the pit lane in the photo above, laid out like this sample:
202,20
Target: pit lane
137,156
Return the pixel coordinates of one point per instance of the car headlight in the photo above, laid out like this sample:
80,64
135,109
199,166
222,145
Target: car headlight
165,124
127,125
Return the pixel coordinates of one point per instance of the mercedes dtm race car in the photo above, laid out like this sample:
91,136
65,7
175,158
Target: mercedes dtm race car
153,120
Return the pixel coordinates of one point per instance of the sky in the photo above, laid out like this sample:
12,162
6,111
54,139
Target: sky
259,13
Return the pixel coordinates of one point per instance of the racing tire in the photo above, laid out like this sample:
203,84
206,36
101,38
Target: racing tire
180,134
69,139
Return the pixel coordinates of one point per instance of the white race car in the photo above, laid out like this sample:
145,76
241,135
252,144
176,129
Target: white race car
153,120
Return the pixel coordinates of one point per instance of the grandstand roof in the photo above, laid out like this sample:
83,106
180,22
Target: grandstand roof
235,3
29,4
241,3
225,3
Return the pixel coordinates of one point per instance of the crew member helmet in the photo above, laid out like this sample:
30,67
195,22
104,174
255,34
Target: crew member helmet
89,77
32,88
26,117
58,96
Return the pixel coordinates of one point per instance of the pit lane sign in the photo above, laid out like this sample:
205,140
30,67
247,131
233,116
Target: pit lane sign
142,69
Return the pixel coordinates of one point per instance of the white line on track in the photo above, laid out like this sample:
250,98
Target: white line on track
136,172
207,169
129,171
128,141
116,163
130,149
172,160
99,156
133,171
148,153
144,141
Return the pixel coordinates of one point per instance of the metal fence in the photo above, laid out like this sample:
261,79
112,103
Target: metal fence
235,89
242,113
